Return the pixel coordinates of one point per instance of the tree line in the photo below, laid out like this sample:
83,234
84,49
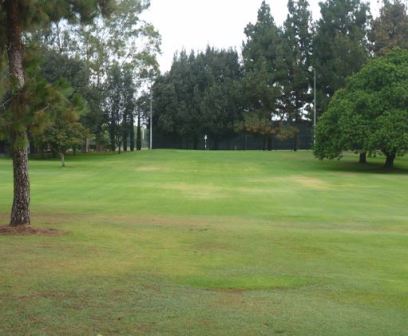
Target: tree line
79,74
267,90
84,77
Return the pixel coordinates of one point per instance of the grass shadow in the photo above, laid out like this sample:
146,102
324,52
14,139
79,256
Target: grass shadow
355,167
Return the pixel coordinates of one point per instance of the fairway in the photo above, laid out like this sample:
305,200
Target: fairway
208,243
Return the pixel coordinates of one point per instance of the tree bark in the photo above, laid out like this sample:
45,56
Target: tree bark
139,133
389,162
20,212
363,158
132,134
125,139
62,156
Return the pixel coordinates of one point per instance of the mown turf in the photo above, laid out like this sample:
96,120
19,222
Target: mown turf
208,243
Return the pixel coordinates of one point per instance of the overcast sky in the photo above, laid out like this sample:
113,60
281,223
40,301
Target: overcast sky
194,24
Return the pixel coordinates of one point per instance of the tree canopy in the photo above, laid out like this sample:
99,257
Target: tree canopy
390,29
371,113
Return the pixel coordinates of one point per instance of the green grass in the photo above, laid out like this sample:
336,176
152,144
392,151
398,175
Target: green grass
208,243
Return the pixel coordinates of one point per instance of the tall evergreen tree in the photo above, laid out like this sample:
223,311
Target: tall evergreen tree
119,107
129,104
16,18
340,45
199,96
298,40
114,107
263,75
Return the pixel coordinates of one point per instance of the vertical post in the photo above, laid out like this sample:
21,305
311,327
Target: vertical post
314,106
151,120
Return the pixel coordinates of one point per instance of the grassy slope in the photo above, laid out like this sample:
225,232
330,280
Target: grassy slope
208,243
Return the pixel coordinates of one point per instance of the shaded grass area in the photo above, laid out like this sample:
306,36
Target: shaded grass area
208,243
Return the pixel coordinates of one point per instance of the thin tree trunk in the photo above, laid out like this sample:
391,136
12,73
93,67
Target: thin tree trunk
389,162
86,147
363,158
20,212
139,133
62,156
125,138
132,134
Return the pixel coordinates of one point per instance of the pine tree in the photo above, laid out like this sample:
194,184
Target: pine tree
113,106
18,17
199,96
297,55
128,93
340,45
263,75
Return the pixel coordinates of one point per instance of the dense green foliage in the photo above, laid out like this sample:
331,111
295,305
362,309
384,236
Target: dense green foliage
199,95
97,32
80,54
267,93
371,113
220,243
390,29
340,45
298,49
272,94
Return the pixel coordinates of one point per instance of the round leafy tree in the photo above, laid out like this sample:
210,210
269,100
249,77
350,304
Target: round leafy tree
370,114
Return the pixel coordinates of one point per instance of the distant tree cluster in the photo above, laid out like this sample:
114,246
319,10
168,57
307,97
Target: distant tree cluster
99,65
199,95
267,91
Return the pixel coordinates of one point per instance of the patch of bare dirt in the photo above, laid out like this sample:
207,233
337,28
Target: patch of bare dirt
27,230
311,182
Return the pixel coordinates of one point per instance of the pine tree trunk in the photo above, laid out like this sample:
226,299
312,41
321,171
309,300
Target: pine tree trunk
20,212
363,158
389,162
